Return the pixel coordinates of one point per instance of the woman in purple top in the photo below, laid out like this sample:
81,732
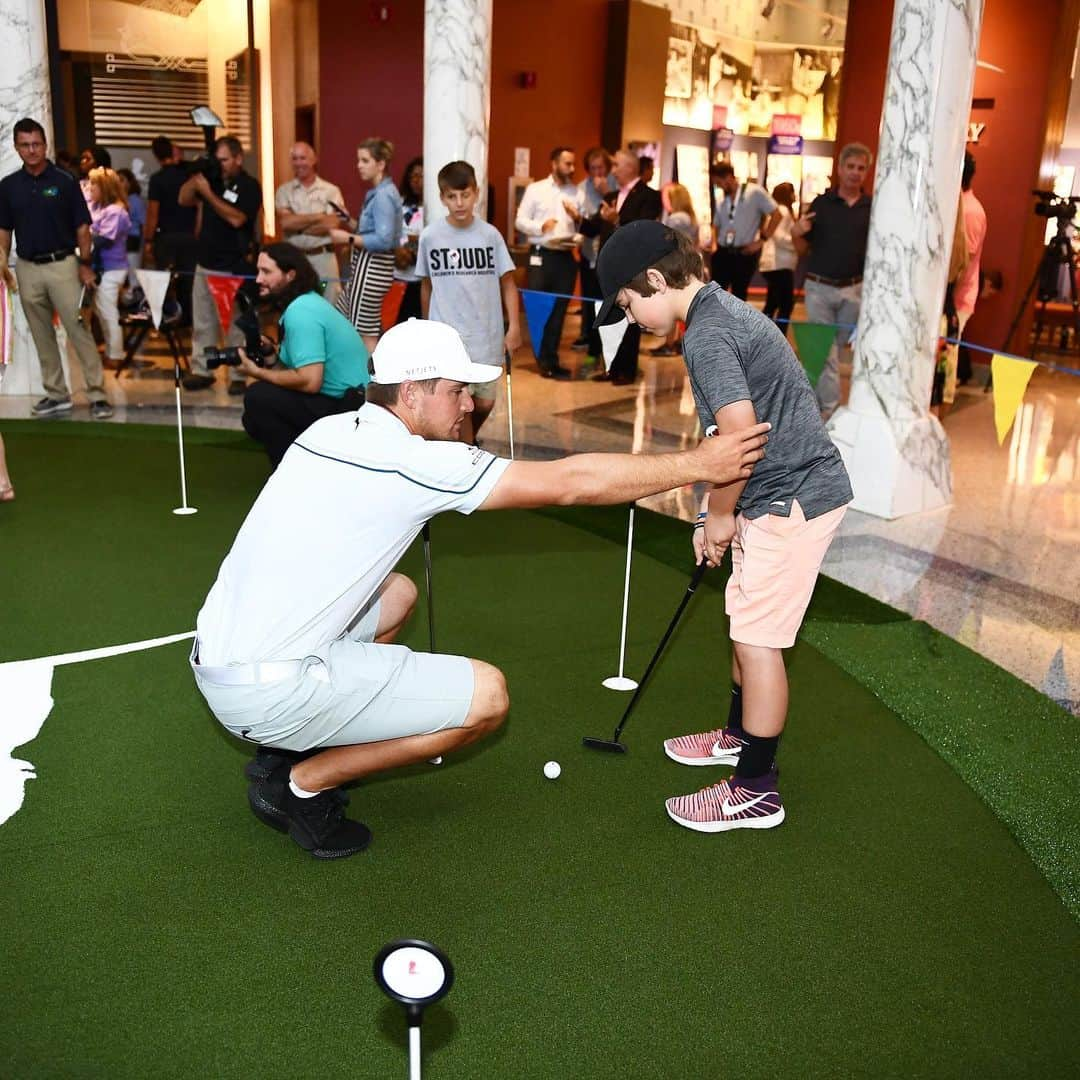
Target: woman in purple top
110,224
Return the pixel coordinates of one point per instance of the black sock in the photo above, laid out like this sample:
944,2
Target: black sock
757,757
734,718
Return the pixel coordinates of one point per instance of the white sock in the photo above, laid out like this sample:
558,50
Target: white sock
299,792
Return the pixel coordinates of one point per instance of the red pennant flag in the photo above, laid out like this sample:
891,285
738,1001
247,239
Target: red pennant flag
391,304
223,288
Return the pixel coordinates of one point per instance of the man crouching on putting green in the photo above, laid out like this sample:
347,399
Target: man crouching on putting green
299,661
779,521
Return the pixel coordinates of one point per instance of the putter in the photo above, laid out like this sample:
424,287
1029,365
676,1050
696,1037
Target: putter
426,532
612,745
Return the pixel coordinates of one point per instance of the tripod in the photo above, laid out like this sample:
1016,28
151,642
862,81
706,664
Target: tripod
1058,253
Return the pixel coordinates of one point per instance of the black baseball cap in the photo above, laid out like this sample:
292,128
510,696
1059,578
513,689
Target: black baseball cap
633,247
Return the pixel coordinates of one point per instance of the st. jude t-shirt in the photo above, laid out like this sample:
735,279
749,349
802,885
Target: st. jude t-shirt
733,353
315,332
465,266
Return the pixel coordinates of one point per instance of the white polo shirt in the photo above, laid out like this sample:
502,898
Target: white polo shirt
344,505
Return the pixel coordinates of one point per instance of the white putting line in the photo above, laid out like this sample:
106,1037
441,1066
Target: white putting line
107,650
26,701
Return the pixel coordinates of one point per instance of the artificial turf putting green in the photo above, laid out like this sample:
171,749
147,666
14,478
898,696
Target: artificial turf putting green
152,927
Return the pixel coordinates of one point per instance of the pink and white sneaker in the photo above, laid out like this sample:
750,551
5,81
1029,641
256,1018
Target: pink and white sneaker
720,747
731,804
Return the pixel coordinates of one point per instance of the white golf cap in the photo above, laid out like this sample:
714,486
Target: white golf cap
423,349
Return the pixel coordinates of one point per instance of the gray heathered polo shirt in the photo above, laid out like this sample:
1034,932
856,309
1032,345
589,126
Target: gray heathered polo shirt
733,353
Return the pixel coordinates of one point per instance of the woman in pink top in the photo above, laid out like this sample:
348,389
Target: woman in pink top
110,224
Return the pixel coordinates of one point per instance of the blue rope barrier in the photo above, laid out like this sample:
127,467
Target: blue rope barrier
851,326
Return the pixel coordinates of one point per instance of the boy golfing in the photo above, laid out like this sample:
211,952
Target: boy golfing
779,522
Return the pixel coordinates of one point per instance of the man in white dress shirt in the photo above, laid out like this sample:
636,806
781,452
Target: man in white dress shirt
549,216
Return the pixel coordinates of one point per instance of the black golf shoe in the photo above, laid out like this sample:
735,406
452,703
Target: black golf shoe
319,825
269,775
268,760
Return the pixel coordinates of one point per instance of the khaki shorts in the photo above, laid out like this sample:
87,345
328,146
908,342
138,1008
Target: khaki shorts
775,564
348,692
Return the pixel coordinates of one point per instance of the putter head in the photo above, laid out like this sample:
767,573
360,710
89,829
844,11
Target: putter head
609,746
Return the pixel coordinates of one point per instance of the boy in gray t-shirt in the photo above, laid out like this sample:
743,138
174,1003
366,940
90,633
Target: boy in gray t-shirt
778,523
467,276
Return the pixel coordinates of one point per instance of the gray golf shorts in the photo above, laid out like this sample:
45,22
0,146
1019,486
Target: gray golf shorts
348,692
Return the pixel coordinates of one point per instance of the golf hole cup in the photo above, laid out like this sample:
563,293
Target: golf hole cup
415,974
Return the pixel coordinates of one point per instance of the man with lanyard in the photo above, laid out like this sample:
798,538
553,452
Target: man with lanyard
549,215
306,214
833,234
231,203
169,240
43,206
301,665
738,232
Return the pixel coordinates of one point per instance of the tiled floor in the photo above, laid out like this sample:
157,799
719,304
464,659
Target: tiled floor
998,570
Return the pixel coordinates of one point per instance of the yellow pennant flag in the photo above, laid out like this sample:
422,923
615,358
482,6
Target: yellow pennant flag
1011,377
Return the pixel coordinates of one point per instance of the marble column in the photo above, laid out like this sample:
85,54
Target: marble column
896,452
24,91
457,92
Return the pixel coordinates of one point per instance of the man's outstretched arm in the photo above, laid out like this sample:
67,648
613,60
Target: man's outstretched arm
604,479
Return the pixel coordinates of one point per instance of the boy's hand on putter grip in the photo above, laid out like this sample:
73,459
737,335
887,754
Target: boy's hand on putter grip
733,456
712,541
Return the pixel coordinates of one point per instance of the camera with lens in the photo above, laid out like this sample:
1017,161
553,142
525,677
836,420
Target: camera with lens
1051,205
257,349
204,117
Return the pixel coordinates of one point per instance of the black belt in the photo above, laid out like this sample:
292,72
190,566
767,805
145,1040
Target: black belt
836,283
51,257
318,250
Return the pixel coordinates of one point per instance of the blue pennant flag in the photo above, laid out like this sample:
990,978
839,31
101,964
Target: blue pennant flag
538,308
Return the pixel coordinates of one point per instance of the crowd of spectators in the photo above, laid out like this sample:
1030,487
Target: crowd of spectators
204,217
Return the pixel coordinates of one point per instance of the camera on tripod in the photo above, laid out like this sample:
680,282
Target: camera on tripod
254,346
1051,205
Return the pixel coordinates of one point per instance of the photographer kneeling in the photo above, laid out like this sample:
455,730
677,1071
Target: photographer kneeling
325,362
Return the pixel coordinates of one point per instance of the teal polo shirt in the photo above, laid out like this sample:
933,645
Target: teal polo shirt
316,333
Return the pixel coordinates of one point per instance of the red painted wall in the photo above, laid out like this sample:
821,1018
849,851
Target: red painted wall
567,49
1014,37
371,82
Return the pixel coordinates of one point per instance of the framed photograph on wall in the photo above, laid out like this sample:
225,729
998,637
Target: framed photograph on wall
515,192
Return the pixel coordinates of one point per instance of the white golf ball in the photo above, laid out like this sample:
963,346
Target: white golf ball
552,770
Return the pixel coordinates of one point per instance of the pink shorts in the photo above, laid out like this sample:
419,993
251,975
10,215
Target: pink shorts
775,563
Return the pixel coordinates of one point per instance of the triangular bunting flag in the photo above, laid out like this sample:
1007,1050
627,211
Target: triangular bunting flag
1010,377
223,288
391,304
154,284
538,307
611,338
813,341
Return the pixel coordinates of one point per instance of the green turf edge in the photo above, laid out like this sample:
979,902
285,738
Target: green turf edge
1013,746
225,438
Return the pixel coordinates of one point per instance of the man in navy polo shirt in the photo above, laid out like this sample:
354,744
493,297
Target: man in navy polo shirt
833,235
43,206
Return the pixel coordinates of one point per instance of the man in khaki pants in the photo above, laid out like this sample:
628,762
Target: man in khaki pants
43,206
